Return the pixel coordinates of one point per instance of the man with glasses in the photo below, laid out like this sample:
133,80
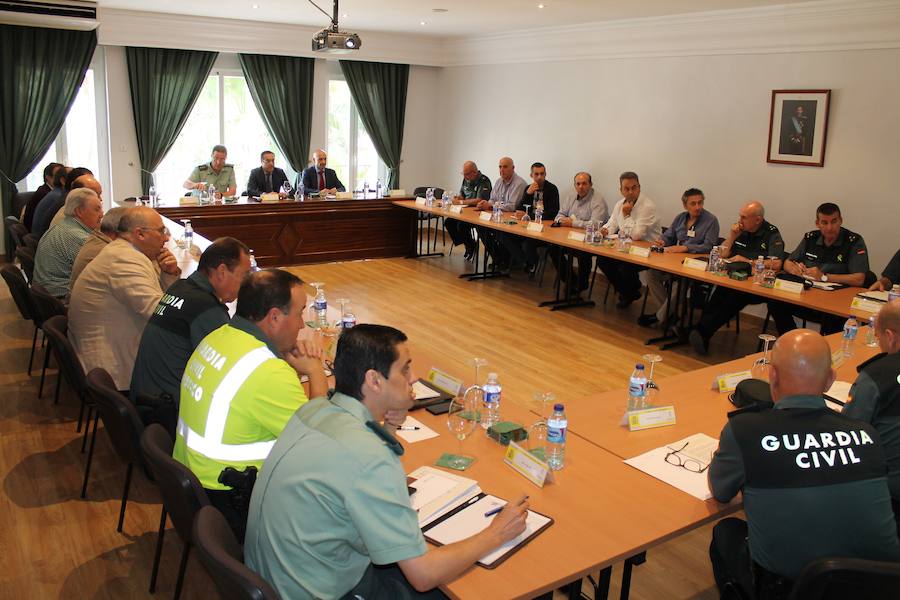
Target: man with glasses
267,177
118,291
215,173
813,480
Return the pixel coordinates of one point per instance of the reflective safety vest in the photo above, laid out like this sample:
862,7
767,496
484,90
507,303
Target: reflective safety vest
236,397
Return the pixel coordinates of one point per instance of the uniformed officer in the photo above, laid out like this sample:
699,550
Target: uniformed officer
875,396
750,236
813,480
215,173
242,384
475,186
890,276
332,499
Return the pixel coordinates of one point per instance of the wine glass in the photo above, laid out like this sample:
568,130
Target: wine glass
478,363
537,434
526,218
760,369
462,417
652,388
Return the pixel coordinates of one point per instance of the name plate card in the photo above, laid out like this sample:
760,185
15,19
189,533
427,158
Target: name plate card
397,193
695,263
651,418
445,382
420,201
457,209
188,201
526,464
866,305
728,381
576,236
639,251
793,287
485,216
344,196
537,227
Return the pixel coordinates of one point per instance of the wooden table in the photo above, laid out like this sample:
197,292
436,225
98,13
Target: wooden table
290,233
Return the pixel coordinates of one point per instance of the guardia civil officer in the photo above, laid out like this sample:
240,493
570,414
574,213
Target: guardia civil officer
216,173
813,480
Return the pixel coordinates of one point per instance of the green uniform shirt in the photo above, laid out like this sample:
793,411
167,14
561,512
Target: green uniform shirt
236,396
330,500
222,180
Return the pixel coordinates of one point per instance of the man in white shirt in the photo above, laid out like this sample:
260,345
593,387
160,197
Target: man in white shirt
633,216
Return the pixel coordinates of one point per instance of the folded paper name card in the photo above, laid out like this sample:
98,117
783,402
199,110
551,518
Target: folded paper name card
394,193
866,305
457,209
576,236
269,197
727,382
641,251
695,263
444,381
420,201
485,216
188,201
793,287
651,418
536,227
528,465
344,195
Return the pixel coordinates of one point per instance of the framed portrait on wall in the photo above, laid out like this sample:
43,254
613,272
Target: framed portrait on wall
798,127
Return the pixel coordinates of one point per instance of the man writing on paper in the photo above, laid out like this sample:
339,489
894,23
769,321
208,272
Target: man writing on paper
331,501
875,396
813,480
318,178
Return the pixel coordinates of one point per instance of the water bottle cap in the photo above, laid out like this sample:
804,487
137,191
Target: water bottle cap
558,407
492,376
639,366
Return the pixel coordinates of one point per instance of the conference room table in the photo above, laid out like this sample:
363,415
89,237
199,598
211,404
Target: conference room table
836,302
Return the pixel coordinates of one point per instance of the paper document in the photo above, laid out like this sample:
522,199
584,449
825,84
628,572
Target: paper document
423,392
438,492
824,285
699,446
471,520
654,464
874,295
415,435
839,392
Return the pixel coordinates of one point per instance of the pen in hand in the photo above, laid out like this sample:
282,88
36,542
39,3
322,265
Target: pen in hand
402,428
497,509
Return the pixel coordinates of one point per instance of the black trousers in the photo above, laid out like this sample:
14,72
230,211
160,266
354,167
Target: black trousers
783,314
461,233
236,517
623,276
736,575
584,263
388,583
723,306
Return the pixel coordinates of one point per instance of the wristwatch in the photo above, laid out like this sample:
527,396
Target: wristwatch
824,278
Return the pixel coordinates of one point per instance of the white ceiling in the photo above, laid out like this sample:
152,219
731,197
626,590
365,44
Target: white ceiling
464,17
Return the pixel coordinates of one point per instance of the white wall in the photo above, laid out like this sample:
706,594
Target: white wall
124,161
689,121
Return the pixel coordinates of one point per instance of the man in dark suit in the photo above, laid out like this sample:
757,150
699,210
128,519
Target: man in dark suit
318,178
265,178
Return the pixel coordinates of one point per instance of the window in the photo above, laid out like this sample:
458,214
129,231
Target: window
76,143
351,152
224,114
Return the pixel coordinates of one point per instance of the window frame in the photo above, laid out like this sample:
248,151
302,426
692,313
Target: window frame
353,141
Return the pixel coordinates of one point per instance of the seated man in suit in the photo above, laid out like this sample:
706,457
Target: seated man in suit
267,177
50,182
320,179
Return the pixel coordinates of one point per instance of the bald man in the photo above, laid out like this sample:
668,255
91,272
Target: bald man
875,396
750,236
475,187
813,480
318,178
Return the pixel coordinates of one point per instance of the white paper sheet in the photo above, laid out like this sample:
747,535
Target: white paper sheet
654,464
840,391
423,392
423,433
438,492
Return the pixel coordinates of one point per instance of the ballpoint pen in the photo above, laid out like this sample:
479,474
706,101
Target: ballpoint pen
497,509
401,428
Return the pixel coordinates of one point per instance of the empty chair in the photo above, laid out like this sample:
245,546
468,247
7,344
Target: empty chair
430,245
122,423
838,578
223,557
18,289
26,259
17,231
46,305
182,494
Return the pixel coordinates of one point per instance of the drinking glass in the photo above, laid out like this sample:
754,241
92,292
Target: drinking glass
461,421
525,218
652,388
478,363
537,433
760,369
285,189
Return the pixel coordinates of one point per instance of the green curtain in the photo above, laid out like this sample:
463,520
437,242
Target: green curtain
282,88
379,93
165,85
41,71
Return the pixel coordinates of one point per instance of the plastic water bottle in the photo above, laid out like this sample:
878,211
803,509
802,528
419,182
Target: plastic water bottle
429,197
445,201
637,388
152,193
713,266
871,341
254,266
851,327
758,270
589,232
556,437
188,235
321,305
498,213
894,293
492,394
365,190
348,319
378,189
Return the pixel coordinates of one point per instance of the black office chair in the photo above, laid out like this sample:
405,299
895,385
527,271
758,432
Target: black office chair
19,201
182,494
17,231
223,557
122,423
45,306
840,578
18,289
26,259
439,220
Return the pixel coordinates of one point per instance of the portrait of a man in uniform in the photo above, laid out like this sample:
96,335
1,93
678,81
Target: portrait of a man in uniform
798,124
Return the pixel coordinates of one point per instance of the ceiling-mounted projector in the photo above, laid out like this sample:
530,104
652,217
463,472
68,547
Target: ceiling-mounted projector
332,39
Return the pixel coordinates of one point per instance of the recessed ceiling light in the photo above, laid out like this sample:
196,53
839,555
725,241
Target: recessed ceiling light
439,10
540,6
423,23
256,6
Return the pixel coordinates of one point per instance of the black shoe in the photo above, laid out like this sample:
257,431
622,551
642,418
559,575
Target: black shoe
625,301
530,268
699,343
647,320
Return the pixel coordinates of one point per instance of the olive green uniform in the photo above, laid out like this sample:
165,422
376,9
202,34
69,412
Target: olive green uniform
223,180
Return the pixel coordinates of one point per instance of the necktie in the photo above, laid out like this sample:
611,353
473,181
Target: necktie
322,180
268,182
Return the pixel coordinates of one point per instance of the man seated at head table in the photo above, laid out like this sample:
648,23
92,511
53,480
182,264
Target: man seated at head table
813,480
117,292
58,248
242,384
694,231
46,211
890,276
97,241
331,516
191,309
580,206
633,216
505,194
875,396
750,236
216,173
829,253
522,249
265,178
50,182
319,178
476,186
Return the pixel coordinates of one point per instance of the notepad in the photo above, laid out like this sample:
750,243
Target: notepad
423,392
437,492
838,395
468,519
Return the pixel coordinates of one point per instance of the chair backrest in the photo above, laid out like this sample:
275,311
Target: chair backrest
26,258
420,191
181,491
56,328
223,557
31,241
120,417
45,304
17,231
18,289
833,578
19,201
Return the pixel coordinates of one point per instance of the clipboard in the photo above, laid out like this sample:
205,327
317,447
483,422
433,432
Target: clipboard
465,520
442,396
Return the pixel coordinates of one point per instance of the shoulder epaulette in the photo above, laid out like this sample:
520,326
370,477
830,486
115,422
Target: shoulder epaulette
771,227
229,165
812,234
203,167
852,236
